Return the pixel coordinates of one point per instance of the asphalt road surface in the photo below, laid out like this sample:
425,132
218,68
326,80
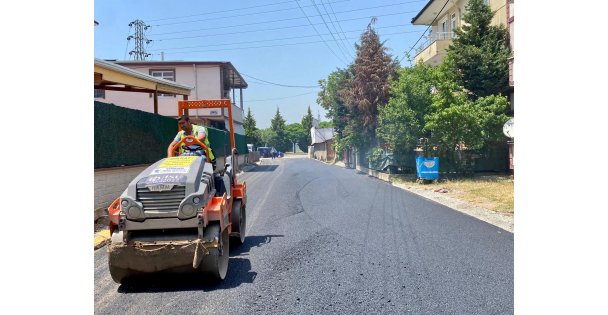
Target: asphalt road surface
322,240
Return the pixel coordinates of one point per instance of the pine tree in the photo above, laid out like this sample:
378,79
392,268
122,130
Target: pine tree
307,124
480,52
277,122
277,125
369,89
249,124
251,131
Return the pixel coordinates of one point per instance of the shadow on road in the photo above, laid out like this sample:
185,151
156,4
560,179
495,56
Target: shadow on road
262,168
239,272
250,242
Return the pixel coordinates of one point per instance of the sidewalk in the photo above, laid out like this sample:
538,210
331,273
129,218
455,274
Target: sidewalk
102,233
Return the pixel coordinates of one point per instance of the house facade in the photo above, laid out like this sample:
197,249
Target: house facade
321,147
211,80
443,23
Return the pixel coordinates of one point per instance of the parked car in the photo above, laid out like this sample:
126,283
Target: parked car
265,152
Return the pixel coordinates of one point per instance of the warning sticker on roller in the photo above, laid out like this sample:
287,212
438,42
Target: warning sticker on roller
170,170
177,161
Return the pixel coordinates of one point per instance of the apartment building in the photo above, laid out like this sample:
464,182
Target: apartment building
443,22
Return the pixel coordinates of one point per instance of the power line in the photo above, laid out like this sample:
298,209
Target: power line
282,20
337,22
318,33
260,83
276,39
277,45
128,38
283,85
237,16
209,13
338,43
272,29
279,98
436,16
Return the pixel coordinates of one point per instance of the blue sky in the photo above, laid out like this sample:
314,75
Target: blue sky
273,41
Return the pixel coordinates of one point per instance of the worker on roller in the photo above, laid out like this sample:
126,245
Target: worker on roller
190,129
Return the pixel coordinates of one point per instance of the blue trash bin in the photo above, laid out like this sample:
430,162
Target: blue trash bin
427,168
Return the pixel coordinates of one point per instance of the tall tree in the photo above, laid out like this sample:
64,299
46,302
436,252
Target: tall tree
266,136
307,124
480,52
331,100
461,121
277,123
250,127
279,140
295,133
401,121
369,89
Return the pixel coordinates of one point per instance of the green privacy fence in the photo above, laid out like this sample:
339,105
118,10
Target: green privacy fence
126,136
220,142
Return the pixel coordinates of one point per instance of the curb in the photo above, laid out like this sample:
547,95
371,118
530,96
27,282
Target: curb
101,239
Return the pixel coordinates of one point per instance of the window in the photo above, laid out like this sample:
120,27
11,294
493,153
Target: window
164,74
444,26
453,22
100,93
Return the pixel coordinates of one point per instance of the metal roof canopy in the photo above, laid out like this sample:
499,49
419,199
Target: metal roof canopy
231,76
110,76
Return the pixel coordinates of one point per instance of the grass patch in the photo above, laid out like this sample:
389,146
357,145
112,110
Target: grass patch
492,192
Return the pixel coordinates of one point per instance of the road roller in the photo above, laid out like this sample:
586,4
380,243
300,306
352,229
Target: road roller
180,214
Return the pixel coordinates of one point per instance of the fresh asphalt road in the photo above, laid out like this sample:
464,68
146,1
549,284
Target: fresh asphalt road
322,239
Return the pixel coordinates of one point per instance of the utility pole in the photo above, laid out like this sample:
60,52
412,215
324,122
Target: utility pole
139,53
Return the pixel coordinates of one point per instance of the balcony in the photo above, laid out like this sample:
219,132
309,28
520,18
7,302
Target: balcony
434,48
